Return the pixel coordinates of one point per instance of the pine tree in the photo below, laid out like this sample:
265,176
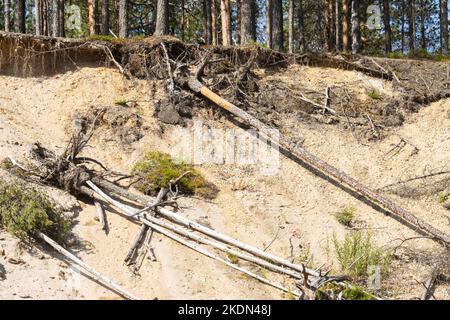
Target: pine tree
291,25
122,18
387,26
19,16
277,27
356,28
411,26
225,9
248,34
301,27
269,22
444,26
6,13
346,44
104,27
92,17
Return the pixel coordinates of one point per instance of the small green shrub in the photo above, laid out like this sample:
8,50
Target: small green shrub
24,211
157,169
346,215
375,95
6,164
443,197
121,101
356,252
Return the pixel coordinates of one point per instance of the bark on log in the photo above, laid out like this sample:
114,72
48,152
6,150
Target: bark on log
91,272
430,284
340,177
137,241
101,216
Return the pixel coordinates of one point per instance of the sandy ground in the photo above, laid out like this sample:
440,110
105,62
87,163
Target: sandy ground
292,209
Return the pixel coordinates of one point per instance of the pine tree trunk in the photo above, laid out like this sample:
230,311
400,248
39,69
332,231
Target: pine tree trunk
444,26
338,21
247,20
183,18
402,21
423,36
330,25
162,18
45,25
60,9
356,28
254,19
55,20
58,18
226,22
92,21
387,26
345,25
207,21
238,21
105,17
123,18
291,26
6,12
301,27
411,26
19,16
277,28
215,40
269,20
38,17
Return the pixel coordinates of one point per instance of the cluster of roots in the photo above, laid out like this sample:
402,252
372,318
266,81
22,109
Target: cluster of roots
230,73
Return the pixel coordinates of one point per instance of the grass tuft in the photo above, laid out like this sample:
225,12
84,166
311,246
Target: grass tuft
346,215
375,95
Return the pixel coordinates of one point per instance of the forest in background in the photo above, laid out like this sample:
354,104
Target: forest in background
374,27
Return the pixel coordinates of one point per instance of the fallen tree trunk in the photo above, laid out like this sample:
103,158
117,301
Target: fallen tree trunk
300,153
91,272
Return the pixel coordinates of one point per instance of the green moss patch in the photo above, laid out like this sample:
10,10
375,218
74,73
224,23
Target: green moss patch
157,169
24,211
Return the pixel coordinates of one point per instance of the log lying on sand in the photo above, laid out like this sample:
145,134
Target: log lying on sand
101,216
135,246
90,271
338,176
